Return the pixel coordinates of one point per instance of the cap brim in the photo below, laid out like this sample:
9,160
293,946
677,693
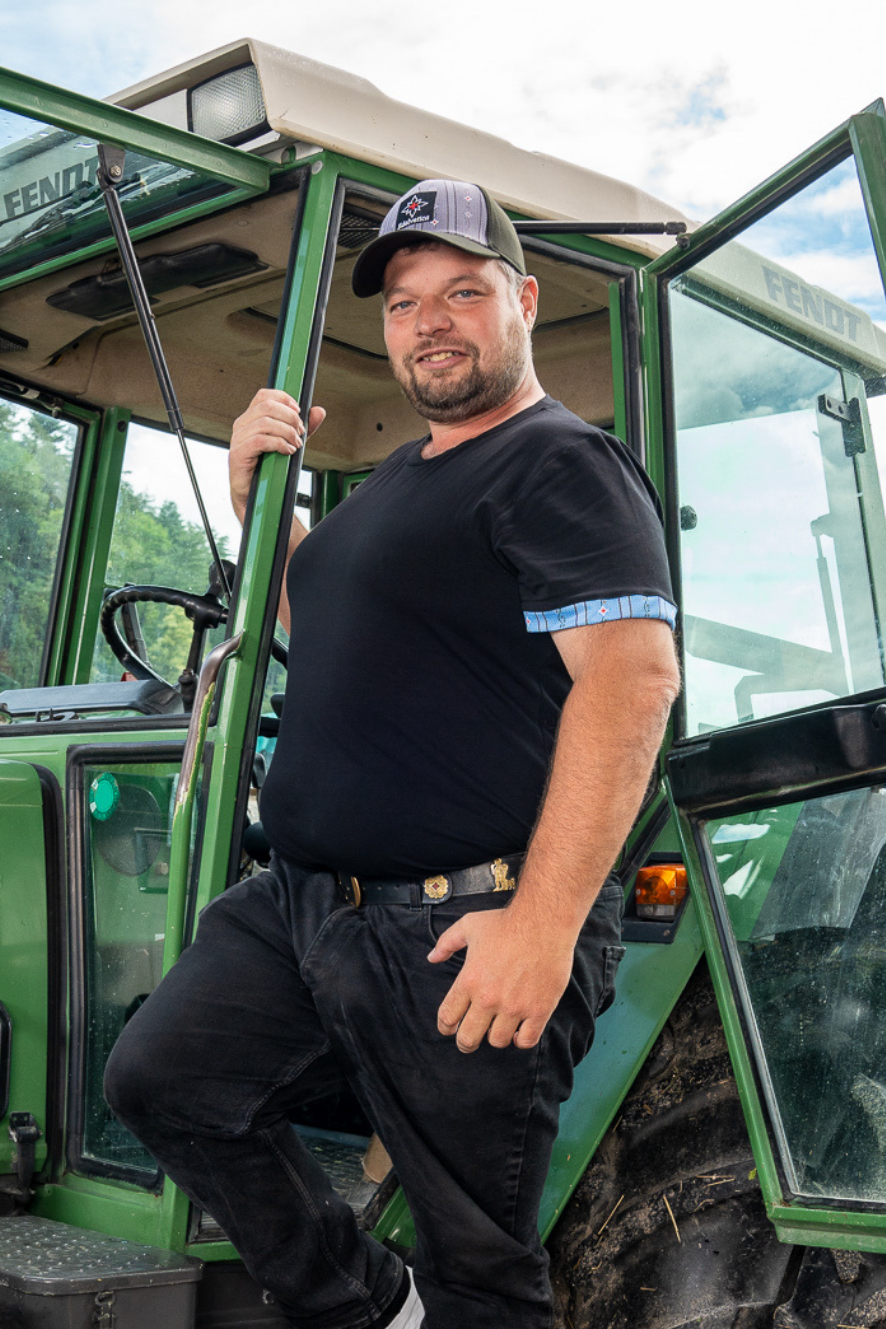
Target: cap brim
369,270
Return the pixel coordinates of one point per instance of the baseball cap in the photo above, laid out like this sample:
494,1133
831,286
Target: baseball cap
454,211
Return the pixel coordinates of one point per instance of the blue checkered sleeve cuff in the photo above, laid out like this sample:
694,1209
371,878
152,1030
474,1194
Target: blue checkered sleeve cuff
600,611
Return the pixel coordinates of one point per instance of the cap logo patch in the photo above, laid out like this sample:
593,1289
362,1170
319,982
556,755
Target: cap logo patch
416,210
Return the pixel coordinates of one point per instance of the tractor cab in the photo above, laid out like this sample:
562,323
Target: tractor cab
141,665
141,662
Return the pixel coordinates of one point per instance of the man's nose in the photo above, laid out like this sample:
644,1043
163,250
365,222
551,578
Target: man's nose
432,316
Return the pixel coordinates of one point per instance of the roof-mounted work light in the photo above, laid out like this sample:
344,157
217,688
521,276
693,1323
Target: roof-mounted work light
230,107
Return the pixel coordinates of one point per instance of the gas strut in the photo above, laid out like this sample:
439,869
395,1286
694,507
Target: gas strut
674,228
110,174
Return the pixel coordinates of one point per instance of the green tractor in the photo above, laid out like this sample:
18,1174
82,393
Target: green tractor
722,1161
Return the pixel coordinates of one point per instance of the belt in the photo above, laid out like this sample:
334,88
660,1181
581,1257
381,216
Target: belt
486,878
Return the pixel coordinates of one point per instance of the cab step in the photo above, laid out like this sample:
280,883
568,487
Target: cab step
54,1276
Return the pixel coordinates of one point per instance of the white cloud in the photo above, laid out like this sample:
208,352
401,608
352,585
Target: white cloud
833,202
695,105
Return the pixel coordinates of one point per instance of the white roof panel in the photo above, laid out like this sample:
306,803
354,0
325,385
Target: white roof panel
314,103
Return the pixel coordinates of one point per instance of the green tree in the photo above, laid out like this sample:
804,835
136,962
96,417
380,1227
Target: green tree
151,544
36,454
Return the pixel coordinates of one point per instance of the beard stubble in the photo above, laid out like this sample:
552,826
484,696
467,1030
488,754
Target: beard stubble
482,389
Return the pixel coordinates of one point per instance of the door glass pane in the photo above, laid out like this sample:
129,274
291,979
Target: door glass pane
127,822
158,540
801,889
779,354
36,458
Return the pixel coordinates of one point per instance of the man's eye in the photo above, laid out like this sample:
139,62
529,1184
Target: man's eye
466,291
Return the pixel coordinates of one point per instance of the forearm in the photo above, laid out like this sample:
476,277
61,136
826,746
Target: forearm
519,959
271,423
296,535
610,732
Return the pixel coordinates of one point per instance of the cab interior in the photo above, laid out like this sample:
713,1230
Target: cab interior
216,304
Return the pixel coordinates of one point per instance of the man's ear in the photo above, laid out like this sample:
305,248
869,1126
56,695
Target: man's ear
529,301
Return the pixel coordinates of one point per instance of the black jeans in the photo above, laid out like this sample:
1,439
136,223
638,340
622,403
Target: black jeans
286,990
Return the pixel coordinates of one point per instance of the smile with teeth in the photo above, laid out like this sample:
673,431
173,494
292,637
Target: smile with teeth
440,357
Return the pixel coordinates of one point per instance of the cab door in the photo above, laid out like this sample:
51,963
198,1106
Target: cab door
771,352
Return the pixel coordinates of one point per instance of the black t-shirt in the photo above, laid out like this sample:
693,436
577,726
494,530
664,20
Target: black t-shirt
424,688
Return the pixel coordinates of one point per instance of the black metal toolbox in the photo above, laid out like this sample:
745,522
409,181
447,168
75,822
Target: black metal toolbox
54,1276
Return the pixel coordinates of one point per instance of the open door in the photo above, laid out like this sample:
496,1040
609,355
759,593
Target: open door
772,325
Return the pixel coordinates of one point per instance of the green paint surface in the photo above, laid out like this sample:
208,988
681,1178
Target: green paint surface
23,927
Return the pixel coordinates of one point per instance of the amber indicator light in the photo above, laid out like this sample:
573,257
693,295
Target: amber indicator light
660,890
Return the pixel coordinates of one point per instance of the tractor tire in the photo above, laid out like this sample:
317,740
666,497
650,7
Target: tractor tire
667,1229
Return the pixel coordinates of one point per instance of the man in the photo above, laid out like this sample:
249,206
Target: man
506,568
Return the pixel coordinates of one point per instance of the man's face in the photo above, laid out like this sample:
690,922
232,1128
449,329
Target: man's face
456,330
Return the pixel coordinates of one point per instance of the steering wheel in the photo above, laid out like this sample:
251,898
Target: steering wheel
204,611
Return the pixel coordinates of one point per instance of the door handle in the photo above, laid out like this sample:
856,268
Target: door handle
183,805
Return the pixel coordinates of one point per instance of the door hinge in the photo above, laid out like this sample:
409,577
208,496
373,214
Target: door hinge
24,1133
103,1316
849,415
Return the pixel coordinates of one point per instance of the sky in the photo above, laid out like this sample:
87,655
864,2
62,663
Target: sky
694,102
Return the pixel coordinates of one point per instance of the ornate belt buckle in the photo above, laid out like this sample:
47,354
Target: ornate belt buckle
436,888
503,882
